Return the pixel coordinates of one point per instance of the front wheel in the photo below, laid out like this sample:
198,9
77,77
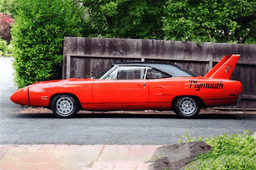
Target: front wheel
64,106
187,107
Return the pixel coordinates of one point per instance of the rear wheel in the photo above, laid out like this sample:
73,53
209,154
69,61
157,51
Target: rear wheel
64,106
187,107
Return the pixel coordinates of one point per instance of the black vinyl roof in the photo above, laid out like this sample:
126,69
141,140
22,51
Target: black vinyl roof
168,68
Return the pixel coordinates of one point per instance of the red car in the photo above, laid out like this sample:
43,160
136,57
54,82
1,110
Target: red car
137,86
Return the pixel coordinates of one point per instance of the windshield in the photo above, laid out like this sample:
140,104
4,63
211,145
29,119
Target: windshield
103,73
106,72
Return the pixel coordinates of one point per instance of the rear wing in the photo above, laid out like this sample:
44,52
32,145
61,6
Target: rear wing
225,68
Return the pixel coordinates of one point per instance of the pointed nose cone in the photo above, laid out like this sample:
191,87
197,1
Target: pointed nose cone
21,96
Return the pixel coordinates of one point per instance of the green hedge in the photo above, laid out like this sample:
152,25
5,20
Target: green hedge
5,49
228,152
37,37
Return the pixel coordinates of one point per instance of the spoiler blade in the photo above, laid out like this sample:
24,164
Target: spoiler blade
225,68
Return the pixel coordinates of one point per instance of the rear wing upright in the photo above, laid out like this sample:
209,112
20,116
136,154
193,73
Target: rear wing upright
225,68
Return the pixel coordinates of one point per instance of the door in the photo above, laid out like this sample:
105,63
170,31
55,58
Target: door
159,89
124,86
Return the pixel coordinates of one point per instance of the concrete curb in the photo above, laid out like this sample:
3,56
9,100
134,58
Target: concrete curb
76,157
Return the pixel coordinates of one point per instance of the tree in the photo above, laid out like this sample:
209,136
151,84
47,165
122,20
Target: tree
38,35
125,18
210,20
181,20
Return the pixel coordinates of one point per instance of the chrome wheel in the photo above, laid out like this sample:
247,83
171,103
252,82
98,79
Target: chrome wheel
187,105
65,106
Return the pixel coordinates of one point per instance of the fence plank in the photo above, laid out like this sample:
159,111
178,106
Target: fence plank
157,48
146,48
87,68
134,48
168,49
96,46
80,45
252,53
206,53
88,46
123,47
67,50
179,50
73,67
196,51
73,45
188,50
218,51
64,62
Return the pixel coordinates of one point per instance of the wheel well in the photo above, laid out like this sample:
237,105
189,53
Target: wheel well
52,97
195,97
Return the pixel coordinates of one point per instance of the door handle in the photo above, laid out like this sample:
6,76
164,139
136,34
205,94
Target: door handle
142,84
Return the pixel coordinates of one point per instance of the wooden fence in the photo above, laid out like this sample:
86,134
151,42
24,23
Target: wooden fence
89,57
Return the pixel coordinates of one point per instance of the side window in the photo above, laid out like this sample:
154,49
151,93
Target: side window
155,74
127,73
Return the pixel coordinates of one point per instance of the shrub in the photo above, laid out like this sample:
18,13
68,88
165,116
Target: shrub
3,46
5,26
38,35
5,49
228,152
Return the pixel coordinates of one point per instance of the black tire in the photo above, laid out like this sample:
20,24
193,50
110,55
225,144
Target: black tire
64,106
186,107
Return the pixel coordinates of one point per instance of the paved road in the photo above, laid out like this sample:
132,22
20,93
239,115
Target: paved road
16,128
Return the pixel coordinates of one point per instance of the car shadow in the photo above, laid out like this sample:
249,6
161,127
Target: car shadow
131,115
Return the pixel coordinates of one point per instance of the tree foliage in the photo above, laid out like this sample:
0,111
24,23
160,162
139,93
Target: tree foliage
38,35
181,20
9,7
125,18
209,20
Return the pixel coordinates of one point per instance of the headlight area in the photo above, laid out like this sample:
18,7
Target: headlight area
21,96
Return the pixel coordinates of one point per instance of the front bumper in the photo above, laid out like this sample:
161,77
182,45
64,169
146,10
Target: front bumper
21,96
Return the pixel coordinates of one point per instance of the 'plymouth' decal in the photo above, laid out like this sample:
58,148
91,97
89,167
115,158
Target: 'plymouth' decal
198,86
